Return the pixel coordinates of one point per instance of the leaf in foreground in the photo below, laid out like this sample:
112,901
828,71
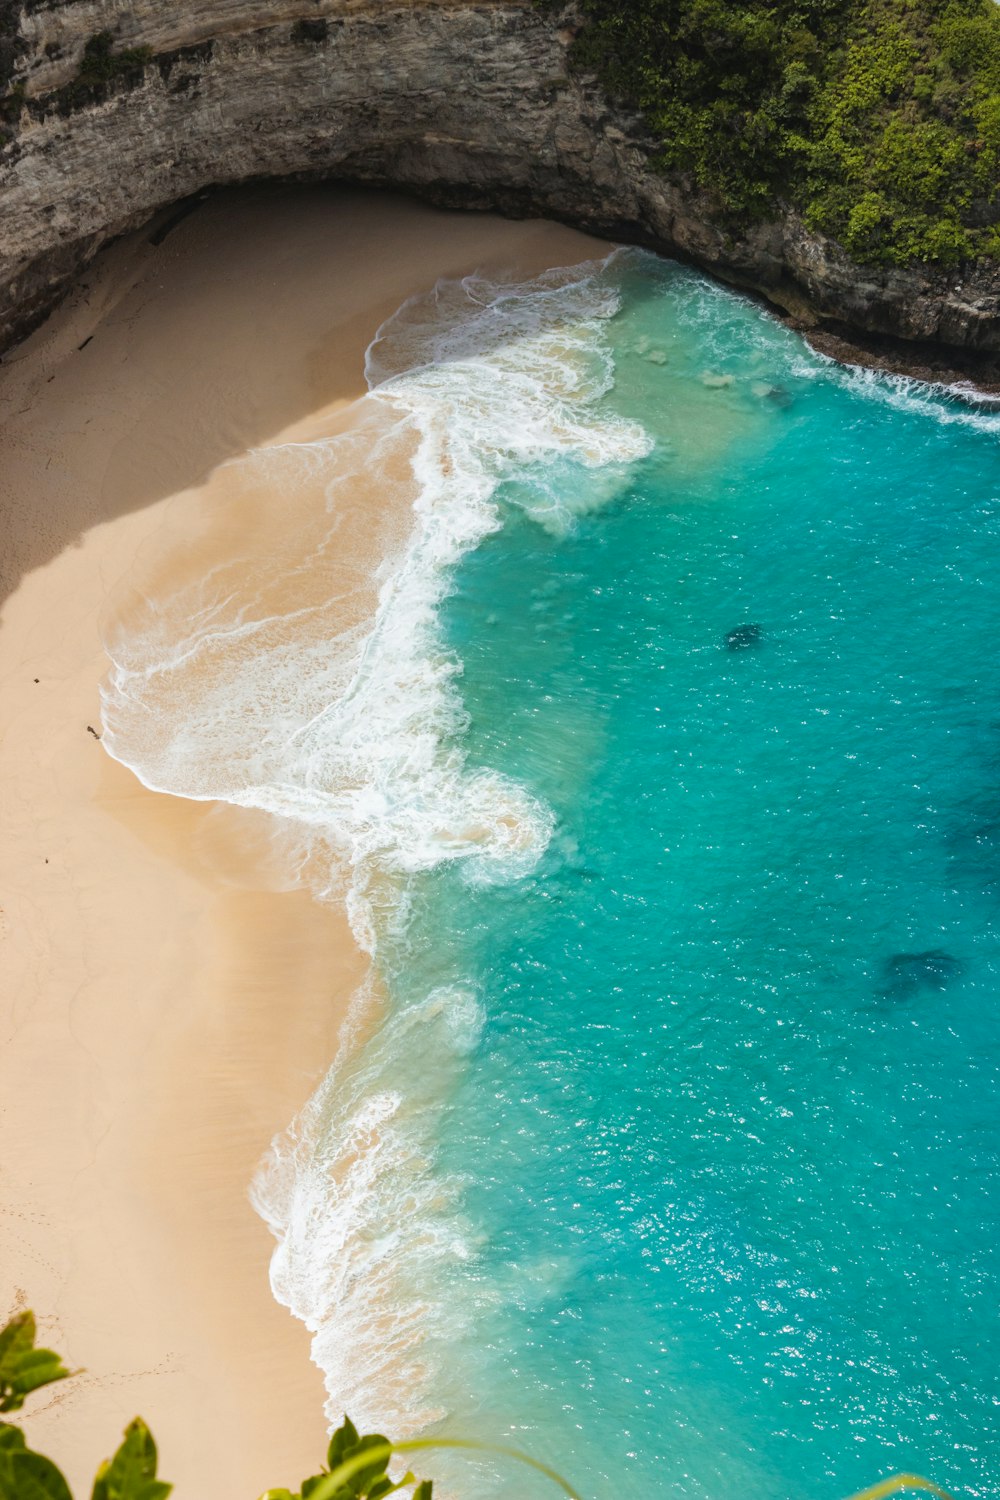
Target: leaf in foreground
25,1475
23,1368
131,1474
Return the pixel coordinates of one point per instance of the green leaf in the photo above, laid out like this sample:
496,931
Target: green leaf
25,1475
131,1474
18,1335
37,1478
423,1490
280,1495
344,1440
385,1486
365,1477
345,1444
11,1442
23,1368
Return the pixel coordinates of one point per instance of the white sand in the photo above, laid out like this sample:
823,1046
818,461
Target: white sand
160,1023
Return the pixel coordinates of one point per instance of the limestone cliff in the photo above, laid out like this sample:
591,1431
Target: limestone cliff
467,101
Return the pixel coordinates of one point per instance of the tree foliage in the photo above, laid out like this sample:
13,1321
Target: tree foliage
879,120
23,1367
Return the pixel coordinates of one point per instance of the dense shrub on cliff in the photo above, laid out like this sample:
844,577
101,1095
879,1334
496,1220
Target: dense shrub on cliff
879,120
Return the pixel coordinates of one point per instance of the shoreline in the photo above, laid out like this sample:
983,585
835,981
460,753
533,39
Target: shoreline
168,1016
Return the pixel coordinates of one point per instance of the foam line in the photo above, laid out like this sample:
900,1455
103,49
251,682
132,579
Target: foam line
352,742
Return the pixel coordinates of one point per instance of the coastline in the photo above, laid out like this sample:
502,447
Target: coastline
166,1021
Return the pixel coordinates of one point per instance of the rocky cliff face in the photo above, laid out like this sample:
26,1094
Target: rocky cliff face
466,101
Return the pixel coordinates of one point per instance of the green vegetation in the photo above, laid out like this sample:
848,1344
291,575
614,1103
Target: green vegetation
101,64
11,104
879,120
24,1367
27,1475
355,1466
100,68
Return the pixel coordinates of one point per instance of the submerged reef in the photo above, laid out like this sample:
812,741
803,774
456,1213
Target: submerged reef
905,975
742,637
110,114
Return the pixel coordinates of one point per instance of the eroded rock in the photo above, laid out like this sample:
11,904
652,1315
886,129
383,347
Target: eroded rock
470,104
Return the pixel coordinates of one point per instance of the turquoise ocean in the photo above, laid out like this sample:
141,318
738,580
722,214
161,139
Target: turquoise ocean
665,793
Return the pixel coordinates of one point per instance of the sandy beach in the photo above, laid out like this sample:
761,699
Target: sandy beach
161,1017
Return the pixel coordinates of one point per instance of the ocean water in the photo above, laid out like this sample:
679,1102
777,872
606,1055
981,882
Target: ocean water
665,792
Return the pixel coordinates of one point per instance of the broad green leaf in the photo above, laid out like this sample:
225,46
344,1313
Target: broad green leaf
23,1368
37,1368
385,1486
17,1335
131,1474
11,1442
33,1477
423,1490
341,1443
280,1495
380,1448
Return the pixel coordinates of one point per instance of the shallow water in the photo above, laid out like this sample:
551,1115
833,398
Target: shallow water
676,1156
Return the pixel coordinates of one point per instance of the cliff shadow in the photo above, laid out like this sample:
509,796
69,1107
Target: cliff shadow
208,333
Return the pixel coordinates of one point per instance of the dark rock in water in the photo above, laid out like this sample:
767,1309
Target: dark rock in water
743,636
906,974
779,396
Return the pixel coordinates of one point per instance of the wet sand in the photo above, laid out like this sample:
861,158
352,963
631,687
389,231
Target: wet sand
161,1016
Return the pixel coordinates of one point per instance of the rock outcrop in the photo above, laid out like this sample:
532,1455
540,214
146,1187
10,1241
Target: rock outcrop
466,101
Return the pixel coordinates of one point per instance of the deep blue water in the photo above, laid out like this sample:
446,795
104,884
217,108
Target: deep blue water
729,1139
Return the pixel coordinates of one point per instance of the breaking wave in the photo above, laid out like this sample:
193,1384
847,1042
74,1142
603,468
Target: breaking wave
264,680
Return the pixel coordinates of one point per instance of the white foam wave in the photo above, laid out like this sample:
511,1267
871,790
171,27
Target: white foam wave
350,740
366,1226
956,404
350,736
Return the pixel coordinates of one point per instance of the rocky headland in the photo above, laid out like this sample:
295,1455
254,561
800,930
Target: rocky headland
113,112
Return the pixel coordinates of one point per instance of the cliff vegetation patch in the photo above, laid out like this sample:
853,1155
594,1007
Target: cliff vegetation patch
879,120
102,70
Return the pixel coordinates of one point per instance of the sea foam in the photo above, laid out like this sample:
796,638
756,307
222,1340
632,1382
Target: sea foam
350,740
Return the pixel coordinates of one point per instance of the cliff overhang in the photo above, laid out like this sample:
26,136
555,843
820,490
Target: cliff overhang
109,114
